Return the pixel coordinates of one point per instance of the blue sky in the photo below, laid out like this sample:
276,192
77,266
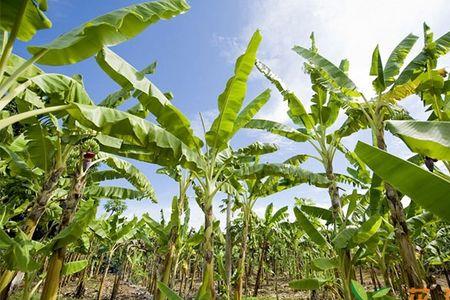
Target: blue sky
196,53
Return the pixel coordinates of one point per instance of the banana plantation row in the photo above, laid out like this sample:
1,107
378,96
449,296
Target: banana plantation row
59,151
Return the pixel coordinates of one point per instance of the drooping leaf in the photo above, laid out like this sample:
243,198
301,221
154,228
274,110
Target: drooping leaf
333,72
277,128
427,138
368,229
344,237
318,212
284,170
423,187
309,228
325,263
73,267
107,30
113,192
230,101
257,148
307,284
131,173
141,139
151,98
297,111
33,18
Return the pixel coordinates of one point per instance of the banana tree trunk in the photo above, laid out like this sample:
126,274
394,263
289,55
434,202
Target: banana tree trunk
167,267
346,268
30,224
238,292
52,280
105,273
413,272
207,290
228,249
262,258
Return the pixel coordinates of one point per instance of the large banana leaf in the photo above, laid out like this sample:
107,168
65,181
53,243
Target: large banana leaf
297,111
230,101
334,72
152,99
32,21
107,30
307,284
278,128
430,139
113,192
170,294
397,57
251,110
18,252
141,139
131,173
283,170
423,187
414,68
257,148
309,228
25,115
40,146
73,267
376,69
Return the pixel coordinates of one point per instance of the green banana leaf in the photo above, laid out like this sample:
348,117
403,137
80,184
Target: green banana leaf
278,128
368,229
73,267
231,100
325,263
251,110
309,228
427,138
130,173
151,98
76,228
33,18
358,290
107,30
413,69
257,148
376,69
170,294
336,74
307,284
284,170
113,192
296,111
397,58
427,189
141,139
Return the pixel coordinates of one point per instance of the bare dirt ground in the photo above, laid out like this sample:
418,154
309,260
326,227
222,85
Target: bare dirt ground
129,291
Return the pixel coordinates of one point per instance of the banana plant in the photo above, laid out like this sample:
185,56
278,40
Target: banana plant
314,130
261,180
269,226
391,84
22,21
114,232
